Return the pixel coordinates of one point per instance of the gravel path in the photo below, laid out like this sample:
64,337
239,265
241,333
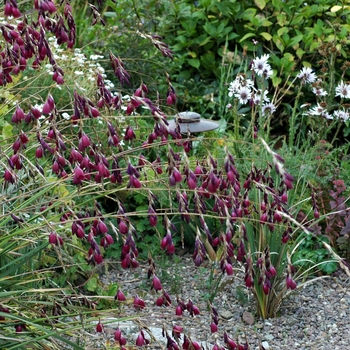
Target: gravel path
315,317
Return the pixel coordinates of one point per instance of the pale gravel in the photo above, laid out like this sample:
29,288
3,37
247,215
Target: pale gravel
316,317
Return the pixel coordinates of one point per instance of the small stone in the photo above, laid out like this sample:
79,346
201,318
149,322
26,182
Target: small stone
269,336
259,325
265,345
226,314
248,318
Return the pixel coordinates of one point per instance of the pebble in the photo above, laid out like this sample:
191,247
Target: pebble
265,345
269,336
226,314
248,318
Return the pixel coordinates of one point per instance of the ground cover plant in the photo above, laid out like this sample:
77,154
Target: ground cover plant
88,160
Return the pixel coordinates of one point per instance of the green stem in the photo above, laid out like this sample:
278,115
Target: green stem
292,120
336,133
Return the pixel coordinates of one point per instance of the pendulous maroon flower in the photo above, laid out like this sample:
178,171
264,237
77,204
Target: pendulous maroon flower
120,296
99,327
213,327
139,303
266,287
123,227
160,301
18,116
156,284
290,283
55,239
129,133
78,176
49,105
249,281
84,142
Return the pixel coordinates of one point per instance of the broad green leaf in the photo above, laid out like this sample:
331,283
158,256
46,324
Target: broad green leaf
336,8
278,42
260,3
110,14
266,36
247,36
266,23
295,40
276,81
249,14
300,52
91,285
194,62
232,36
210,29
281,19
203,39
7,130
282,31
315,45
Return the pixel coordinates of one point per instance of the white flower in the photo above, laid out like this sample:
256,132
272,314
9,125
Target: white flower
78,72
261,67
257,96
341,114
66,116
243,94
95,57
319,111
268,109
319,92
238,84
307,75
342,90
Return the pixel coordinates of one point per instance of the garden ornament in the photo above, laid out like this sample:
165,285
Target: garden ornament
191,123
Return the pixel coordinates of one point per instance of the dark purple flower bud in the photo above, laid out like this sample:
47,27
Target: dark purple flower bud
18,116
229,269
277,217
290,283
266,288
272,270
178,310
139,303
177,330
284,198
99,327
140,340
118,68
123,227
117,334
98,258
55,239
84,142
156,284
160,301
79,176
249,281
49,105
129,134
177,176
120,296
19,328
213,327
